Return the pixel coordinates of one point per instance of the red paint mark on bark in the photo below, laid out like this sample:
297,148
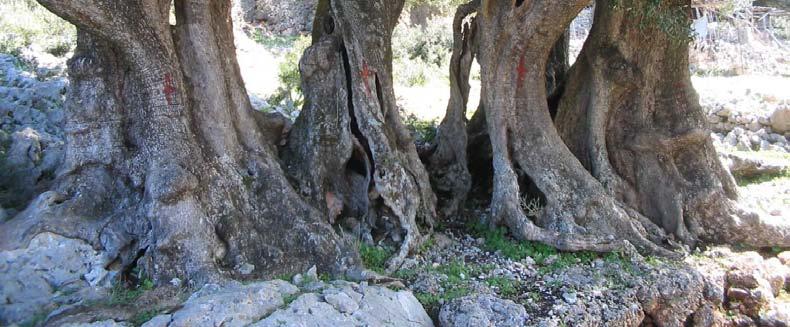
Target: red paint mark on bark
366,73
169,89
522,72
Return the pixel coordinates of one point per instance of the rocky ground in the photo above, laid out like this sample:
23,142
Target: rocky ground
530,285
462,276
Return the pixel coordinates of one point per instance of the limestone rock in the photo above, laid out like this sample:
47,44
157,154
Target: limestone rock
780,120
30,277
482,310
233,305
103,323
376,306
745,166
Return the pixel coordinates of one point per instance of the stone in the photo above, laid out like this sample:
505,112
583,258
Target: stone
746,166
230,305
744,144
765,145
482,310
342,302
731,139
246,269
784,257
569,297
158,321
754,126
780,120
3,215
376,306
724,112
103,323
31,275
312,273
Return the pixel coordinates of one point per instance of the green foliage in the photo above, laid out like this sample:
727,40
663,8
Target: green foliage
670,18
781,27
288,98
289,298
445,7
142,317
375,257
422,130
422,54
507,287
35,320
121,295
765,178
24,23
276,43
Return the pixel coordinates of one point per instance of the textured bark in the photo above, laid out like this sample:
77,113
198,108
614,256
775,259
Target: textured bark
349,151
632,117
516,41
447,162
166,160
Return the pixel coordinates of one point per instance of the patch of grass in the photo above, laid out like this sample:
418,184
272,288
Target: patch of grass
120,295
142,317
427,245
375,257
507,287
746,181
496,240
289,298
285,277
407,274
35,320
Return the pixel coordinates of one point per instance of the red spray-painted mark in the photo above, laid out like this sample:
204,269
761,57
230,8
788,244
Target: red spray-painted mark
169,89
522,72
366,73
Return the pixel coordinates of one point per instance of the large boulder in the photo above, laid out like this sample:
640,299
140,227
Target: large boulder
231,305
482,310
280,303
780,120
744,166
50,270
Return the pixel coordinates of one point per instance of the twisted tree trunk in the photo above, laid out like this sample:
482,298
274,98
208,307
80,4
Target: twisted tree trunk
631,116
166,160
515,43
447,161
349,151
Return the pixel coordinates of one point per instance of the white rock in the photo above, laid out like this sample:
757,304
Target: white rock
780,120
342,302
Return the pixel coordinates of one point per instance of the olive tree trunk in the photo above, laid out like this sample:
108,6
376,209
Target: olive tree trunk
516,39
632,117
447,161
348,151
167,165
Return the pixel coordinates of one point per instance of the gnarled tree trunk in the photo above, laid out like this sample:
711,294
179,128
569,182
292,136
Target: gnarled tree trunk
166,158
631,116
516,40
349,151
447,161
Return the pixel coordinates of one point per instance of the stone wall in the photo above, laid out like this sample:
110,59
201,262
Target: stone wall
751,131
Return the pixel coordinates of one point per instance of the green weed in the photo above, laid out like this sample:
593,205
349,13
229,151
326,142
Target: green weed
375,257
